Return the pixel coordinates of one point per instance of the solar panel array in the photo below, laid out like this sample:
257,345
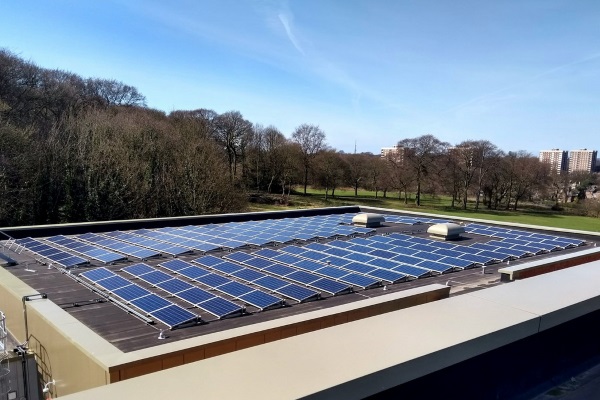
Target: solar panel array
149,303
521,242
52,253
412,220
91,251
130,250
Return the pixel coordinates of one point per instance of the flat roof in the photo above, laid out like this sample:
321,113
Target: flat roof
128,333
364,357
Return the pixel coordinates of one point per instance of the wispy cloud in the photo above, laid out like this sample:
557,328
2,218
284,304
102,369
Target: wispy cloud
287,25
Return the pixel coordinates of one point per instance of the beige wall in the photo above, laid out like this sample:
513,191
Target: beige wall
78,359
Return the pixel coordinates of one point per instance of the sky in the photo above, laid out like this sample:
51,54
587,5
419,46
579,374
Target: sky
523,74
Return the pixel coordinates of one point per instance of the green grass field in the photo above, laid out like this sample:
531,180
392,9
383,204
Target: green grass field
435,205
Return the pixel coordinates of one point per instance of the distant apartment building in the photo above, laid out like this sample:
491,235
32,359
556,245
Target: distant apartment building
394,153
582,160
557,159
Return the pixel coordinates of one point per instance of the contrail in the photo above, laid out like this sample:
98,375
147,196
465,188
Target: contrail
288,30
525,83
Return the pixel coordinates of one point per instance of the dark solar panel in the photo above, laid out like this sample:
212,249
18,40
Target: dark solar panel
175,265
387,275
213,280
138,269
259,263
308,265
260,299
330,286
227,267
248,274
411,270
220,307
238,256
235,289
302,277
174,315
113,282
95,275
174,285
435,266
208,261
131,292
150,303
279,269
363,258
270,282
382,254
195,295
360,280
359,267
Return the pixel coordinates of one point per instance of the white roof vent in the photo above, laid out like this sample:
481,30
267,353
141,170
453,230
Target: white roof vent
447,231
368,220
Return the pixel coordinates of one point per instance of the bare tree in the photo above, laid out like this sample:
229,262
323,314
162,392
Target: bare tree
231,130
311,140
419,156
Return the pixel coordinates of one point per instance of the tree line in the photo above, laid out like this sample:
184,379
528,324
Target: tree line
85,149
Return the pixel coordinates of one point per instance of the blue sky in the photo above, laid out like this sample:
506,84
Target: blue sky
523,74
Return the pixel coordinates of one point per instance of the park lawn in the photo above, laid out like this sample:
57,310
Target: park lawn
434,205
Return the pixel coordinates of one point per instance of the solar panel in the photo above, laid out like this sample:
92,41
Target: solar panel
174,315
308,265
406,259
208,261
95,275
330,286
174,285
195,295
360,280
302,277
411,270
359,267
235,289
212,280
449,253
94,252
175,265
131,292
382,253
238,256
227,267
267,253
435,266
363,258
220,307
261,300
248,274
457,262
138,269
478,259
270,282
387,275
193,272
279,269
259,263
293,250
113,282
150,303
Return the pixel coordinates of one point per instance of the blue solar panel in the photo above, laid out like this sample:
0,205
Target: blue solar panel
360,280
193,272
248,274
308,265
293,249
220,307
267,253
175,265
150,303
335,243
477,259
235,289
138,269
286,258
330,286
238,256
435,266
317,246
360,248
155,277
302,277
406,259
359,257
333,272
95,275
411,270
382,263
113,282
429,256
260,299
279,269
94,252
174,285
381,245
213,280
270,282
227,267
174,315
456,262
449,253
358,267
195,295
208,261
259,263
387,275
495,255
382,254
131,292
